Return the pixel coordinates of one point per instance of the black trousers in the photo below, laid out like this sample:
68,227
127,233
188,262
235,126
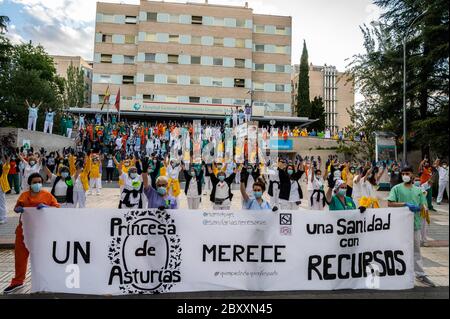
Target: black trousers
109,173
349,191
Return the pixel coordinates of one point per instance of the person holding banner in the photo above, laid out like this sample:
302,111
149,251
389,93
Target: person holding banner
34,197
337,198
249,175
133,186
256,201
159,197
62,185
317,198
290,190
221,194
408,195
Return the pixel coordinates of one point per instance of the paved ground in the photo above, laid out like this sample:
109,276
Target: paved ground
436,256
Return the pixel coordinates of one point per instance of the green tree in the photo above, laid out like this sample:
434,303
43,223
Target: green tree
29,74
378,74
303,101
74,87
317,113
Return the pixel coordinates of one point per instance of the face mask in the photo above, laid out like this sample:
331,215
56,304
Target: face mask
127,164
290,171
406,179
64,175
249,169
342,191
417,184
162,191
444,166
258,194
36,188
32,163
192,174
221,178
133,175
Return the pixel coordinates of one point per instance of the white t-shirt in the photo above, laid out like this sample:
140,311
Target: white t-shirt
193,188
110,163
357,189
60,187
119,143
294,196
443,174
130,183
317,183
368,190
173,172
222,190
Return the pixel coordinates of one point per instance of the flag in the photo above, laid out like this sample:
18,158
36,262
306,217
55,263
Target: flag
106,98
117,104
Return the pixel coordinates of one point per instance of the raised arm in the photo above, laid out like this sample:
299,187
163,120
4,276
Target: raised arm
244,194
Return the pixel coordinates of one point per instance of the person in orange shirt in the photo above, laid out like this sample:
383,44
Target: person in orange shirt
34,197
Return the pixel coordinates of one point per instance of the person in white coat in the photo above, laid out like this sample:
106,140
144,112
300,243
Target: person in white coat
32,115
48,124
442,168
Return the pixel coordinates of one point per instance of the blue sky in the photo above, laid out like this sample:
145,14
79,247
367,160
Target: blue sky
330,27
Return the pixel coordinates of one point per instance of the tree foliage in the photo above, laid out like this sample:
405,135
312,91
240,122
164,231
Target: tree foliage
74,87
378,73
303,101
317,113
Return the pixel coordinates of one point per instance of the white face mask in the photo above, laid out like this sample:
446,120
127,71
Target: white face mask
406,179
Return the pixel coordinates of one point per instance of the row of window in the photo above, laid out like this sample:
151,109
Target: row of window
195,60
191,80
194,20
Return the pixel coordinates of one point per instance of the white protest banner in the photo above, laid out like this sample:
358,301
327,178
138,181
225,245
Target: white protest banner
112,251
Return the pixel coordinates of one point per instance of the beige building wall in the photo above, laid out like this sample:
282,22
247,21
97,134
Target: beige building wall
62,63
217,82
337,117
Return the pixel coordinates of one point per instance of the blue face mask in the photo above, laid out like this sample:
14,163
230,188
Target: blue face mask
290,171
417,184
342,192
258,194
162,191
221,178
36,188
192,173
64,175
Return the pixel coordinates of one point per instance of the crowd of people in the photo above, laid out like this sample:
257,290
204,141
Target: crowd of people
153,160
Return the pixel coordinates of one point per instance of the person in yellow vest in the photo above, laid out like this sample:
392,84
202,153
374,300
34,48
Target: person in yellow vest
173,173
95,174
125,165
81,181
4,186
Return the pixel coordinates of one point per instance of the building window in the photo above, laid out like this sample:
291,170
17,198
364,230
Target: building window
218,22
239,63
279,68
127,98
151,37
101,97
239,102
172,79
196,60
152,16
259,67
105,79
259,48
196,40
128,79
106,38
280,49
150,57
258,86
195,80
150,78
279,87
130,19
174,38
218,42
174,18
259,29
171,99
130,39
194,99
218,61
216,101
279,108
240,23
197,20
239,83
106,58
173,59
217,82
240,43
281,31
128,59
149,97
108,18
